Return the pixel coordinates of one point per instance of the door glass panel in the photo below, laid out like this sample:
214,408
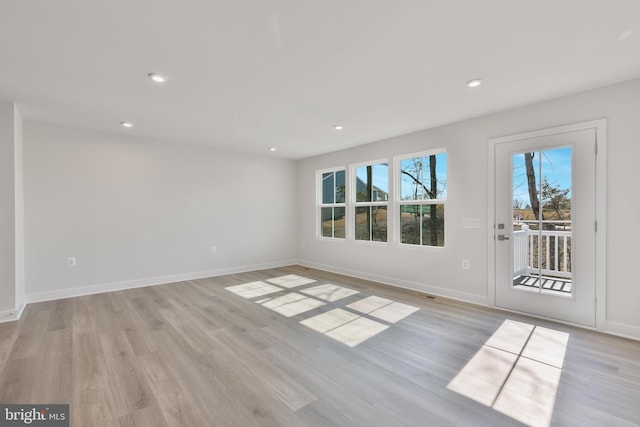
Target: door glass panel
541,221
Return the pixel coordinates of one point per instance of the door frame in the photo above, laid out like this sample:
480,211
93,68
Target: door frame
600,127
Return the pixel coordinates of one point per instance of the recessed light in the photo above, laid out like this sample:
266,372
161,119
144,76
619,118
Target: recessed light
338,127
474,83
158,78
126,124
272,149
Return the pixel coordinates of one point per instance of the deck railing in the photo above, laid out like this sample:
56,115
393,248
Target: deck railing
554,252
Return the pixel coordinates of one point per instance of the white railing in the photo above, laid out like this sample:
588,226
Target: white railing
521,252
555,252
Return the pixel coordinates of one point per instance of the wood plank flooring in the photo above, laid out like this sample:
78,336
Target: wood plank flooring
196,354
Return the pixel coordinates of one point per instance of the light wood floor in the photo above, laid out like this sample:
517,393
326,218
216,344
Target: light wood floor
195,354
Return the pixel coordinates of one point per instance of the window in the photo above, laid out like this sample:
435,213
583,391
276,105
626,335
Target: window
332,203
371,199
423,193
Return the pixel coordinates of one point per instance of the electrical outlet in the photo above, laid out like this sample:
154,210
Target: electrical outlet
72,261
466,265
303,244
214,250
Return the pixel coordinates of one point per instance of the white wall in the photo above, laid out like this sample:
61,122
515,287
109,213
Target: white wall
12,284
20,291
7,209
439,271
138,212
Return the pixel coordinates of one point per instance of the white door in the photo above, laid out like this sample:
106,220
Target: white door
545,225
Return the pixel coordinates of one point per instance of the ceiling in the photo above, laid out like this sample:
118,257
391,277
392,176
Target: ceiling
248,75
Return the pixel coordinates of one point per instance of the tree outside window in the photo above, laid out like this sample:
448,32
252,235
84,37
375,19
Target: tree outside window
423,194
371,200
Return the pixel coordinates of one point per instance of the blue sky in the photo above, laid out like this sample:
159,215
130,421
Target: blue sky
380,174
556,167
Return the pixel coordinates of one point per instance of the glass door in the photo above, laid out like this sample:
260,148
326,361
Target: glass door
545,226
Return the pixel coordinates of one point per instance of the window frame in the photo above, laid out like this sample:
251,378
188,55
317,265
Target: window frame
398,202
320,204
354,204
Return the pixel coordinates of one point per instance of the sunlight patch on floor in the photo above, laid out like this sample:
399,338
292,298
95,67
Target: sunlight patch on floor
344,326
393,312
547,346
329,292
290,281
516,372
383,309
341,325
356,332
330,320
511,336
291,304
369,304
352,329
253,289
281,300
484,375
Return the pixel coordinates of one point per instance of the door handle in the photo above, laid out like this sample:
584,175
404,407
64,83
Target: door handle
502,237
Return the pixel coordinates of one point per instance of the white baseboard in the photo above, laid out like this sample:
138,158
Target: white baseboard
151,281
612,328
12,315
623,330
405,284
